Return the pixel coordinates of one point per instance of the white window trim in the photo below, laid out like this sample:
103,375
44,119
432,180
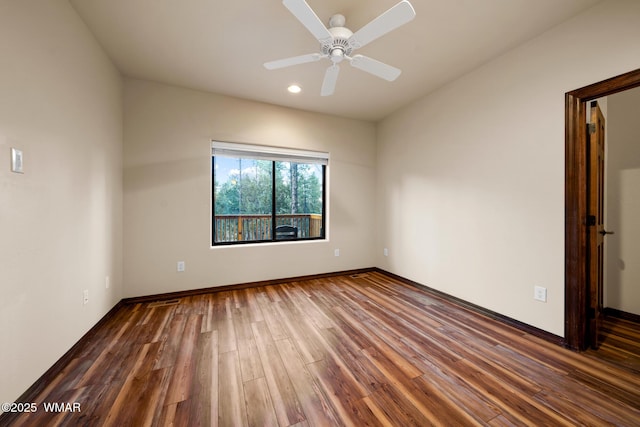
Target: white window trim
234,149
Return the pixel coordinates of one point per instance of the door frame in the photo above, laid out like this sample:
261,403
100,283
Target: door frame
576,244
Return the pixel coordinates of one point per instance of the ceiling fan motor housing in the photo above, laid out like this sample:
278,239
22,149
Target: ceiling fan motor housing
339,46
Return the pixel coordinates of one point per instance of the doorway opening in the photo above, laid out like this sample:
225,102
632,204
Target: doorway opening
577,305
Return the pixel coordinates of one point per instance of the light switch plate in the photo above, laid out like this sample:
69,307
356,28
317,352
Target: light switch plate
540,293
16,160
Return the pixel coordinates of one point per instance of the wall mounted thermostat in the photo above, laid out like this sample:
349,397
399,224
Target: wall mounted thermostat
16,160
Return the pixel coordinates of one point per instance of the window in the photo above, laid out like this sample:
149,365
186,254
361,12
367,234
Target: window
267,194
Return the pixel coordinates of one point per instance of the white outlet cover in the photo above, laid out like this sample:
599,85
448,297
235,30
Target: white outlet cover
540,293
181,266
336,252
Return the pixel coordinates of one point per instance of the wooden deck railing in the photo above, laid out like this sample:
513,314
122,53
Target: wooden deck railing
233,228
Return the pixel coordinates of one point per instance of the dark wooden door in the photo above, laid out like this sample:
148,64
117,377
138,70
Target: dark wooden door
596,221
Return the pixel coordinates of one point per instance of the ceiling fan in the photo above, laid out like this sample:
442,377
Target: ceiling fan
338,42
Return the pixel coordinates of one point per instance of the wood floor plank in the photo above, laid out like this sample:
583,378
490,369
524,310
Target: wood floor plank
122,409
259,405
301,299
163,315
168,415
271,316
231,405
403,386
250,363
184,366
518,406
171,337
103,360
458,391
151,398
340,393
317,409
448,407
253,306
579,414
357,376
214,360
201,387
399,410
350,350
207,317
223,323
287,406
303,336
389,350
379,412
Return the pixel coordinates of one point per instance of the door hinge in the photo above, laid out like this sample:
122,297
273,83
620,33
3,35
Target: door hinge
591,127
591,220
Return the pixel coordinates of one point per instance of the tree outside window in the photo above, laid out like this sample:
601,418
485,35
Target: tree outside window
258,200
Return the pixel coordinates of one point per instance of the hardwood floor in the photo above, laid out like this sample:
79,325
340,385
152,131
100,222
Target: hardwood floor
620,343
348,350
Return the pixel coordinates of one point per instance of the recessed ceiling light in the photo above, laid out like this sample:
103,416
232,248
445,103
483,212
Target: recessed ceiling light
294,89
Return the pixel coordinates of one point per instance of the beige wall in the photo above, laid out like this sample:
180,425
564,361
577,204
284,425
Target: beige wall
60,221
623,202
471,177
167,187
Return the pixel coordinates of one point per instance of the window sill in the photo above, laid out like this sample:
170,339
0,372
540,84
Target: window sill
268,244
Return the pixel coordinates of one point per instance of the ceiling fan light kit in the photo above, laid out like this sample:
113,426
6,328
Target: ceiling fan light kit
337,42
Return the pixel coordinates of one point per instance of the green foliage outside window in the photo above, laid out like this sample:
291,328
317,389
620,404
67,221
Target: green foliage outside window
244,209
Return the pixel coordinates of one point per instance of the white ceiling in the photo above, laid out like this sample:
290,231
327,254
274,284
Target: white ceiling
220,46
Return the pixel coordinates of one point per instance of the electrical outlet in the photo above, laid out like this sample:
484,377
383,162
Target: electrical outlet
181,266
107,282
85,296
540,293
386,252
336,252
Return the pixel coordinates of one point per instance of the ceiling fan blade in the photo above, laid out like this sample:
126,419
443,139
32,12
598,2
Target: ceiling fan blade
393,18
330,79
295,60
377,68
301,10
